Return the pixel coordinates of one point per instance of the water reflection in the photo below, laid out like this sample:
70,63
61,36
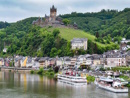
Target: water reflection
15,85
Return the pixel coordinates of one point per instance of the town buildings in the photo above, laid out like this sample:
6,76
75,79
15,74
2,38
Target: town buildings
115,61
1,61
128,58
124,44
113,58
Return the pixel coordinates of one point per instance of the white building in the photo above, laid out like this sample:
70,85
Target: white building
79,43
5,50
59,62
114,61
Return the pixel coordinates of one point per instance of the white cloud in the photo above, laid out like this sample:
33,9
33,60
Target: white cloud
13,10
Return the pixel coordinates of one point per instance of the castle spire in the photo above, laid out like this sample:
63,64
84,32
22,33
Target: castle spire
53,7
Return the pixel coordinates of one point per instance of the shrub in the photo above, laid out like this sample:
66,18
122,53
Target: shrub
50,70
32,71
40,71
102,69
108,68
124,77
51,73
90,78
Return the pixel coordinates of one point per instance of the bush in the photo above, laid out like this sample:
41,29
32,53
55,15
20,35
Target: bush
102,69
124,77
32,71
108,68
51,73
90,78
40,72
50,70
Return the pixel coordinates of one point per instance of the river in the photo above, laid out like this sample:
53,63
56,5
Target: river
16,85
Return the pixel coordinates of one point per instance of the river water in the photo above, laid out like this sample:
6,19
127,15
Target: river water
16,85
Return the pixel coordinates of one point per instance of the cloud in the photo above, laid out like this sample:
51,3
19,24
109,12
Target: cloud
14,10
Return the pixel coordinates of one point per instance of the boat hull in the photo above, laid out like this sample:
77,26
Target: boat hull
113,89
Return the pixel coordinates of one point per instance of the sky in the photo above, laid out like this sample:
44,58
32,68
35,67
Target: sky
15,10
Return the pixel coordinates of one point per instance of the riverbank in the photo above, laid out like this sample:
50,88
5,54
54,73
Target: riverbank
13,69
42,72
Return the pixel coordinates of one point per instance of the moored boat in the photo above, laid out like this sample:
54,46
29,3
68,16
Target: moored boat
76,79
111,85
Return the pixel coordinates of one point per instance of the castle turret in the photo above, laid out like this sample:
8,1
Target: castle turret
53,12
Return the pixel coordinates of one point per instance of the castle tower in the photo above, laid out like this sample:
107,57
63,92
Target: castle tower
53,12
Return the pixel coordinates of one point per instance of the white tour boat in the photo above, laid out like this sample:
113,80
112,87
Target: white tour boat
76,79
111,85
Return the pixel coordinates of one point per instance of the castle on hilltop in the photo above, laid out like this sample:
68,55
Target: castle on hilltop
52,20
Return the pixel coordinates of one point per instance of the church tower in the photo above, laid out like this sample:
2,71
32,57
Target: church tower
53,12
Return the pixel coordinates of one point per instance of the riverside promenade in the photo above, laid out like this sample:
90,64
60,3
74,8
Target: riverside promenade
15,69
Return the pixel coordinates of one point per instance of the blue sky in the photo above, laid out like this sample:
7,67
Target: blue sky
14,10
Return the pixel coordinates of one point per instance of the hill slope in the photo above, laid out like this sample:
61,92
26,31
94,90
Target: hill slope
69,34
55,41
113,22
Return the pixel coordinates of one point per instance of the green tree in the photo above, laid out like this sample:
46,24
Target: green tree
66,21
53,52
56,32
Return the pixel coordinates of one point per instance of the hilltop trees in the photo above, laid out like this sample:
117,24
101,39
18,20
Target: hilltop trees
3,24
36,43
66,21
113,22
55,32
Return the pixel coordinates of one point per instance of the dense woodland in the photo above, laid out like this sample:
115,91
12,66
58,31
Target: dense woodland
4,24
113,22
25,39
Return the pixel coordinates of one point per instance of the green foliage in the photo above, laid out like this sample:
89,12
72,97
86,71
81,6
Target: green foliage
105,22
102,69
66,21
51,73
128,49
117,39
56,32
40,72
3,24
128,43
121,68
25,39
50,70
32,71
108,68
11,64
124,77
90,78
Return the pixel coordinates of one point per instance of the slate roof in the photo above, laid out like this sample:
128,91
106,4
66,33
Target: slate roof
78,40
44,58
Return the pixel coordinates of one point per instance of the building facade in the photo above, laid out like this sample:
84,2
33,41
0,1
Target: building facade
79,43
115,61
